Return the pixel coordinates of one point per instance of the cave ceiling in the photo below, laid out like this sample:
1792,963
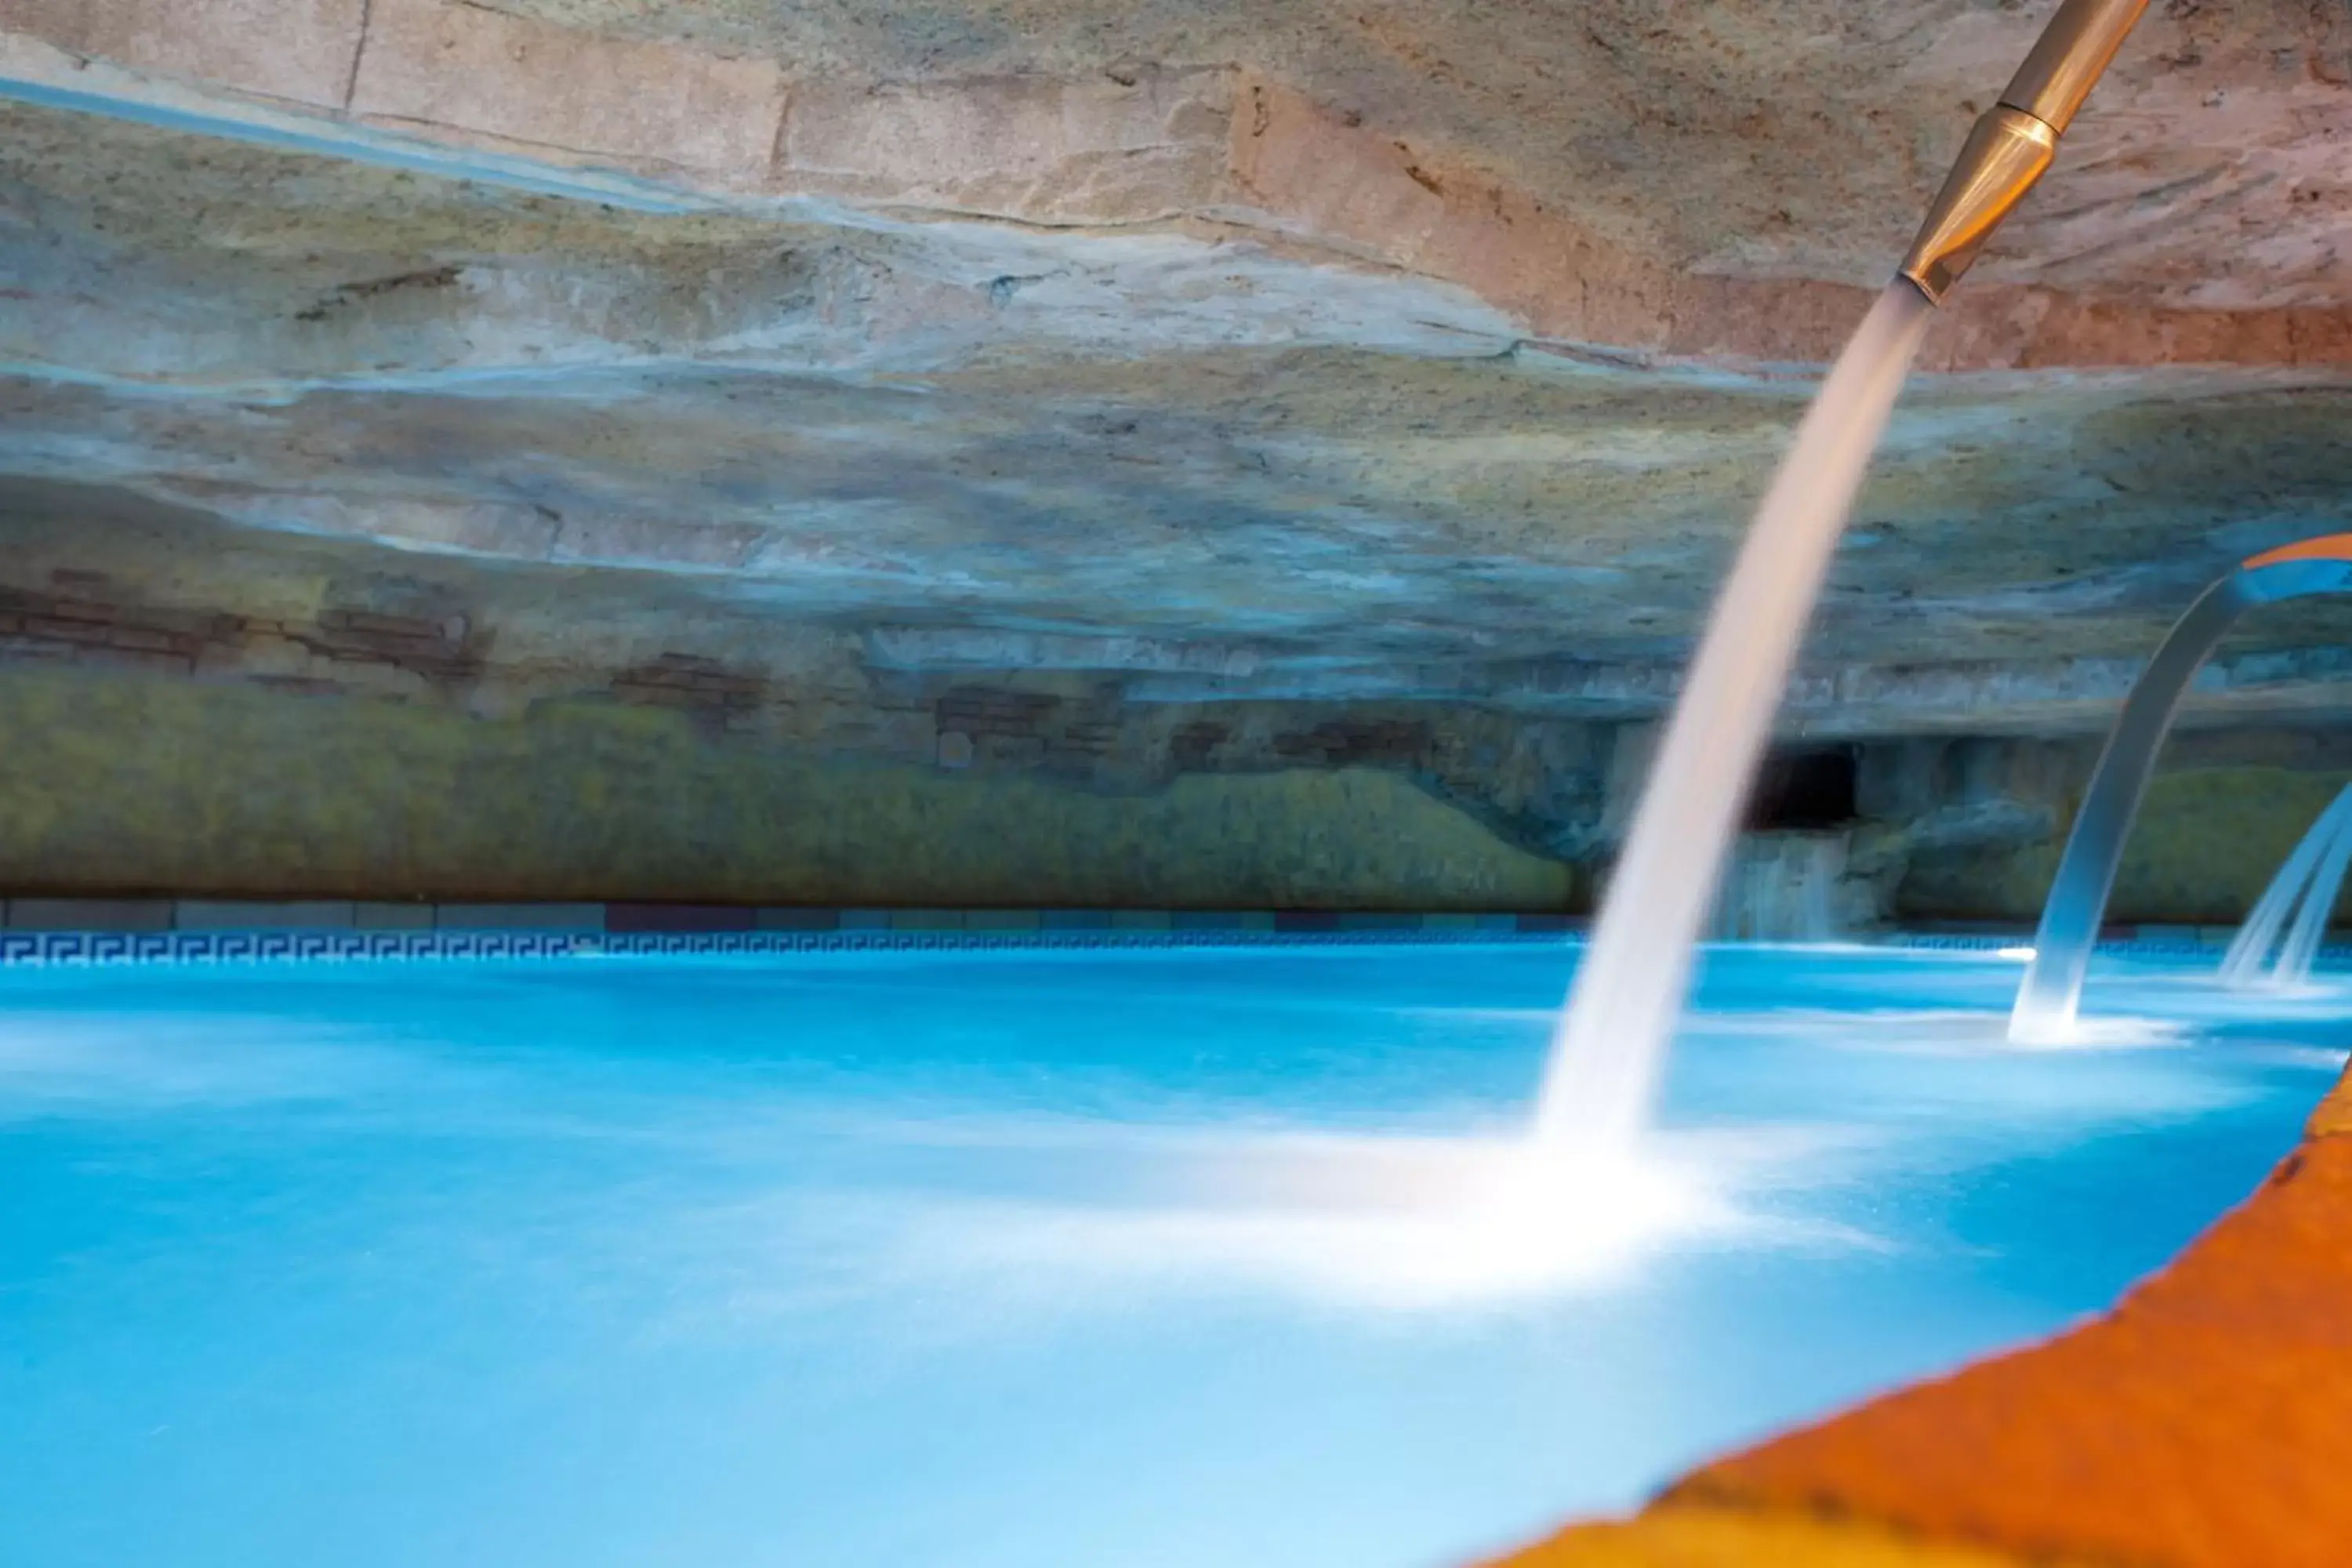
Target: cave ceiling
1246,348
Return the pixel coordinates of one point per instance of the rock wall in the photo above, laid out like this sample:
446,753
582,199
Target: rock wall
133,782
201,709
198,709
2223,811
1208,455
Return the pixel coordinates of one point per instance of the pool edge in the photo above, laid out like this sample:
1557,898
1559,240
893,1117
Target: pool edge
40,933
2204,1421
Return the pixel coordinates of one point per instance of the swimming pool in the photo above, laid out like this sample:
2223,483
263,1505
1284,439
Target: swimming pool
1018,1259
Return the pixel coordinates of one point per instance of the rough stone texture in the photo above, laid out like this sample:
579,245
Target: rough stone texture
299,50
716,756
1576,177
128,785
1146,145
2207,841
1696,1537
1101,396
340,635
1570,161
473,69
961,458
1791,138
2205,1423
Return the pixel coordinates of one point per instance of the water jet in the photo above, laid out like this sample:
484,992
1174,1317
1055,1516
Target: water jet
2052,988
1030,623
1610,1046
2305,888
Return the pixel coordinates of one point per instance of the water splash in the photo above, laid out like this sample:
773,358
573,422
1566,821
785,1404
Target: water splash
1611,1039
2310,879
1382,1222
1782,888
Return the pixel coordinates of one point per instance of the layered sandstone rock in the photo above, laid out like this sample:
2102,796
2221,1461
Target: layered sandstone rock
1214,391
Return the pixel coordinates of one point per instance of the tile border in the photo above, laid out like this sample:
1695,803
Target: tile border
70,931
33,949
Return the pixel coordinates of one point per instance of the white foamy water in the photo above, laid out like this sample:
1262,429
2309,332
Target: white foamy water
1367,1222
1611,1039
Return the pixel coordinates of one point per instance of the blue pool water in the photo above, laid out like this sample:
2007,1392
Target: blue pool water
1109,1260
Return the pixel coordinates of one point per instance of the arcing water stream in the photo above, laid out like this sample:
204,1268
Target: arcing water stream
2305,887
1611,1040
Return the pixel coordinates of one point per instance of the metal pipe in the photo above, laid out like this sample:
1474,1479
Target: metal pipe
2074,51
2012,144
2094,850
2044,1009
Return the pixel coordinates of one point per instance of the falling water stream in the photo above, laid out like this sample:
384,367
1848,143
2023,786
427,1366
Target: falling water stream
2310,879
1611,1039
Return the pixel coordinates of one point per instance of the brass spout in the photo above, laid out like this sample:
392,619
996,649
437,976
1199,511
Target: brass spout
2014,142
2006,151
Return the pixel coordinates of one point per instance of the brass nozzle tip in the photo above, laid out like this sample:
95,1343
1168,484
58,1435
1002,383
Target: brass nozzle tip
2007,151
2013,143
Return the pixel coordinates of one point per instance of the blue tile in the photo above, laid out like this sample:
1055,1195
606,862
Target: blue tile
796,919
519,917
90,914
680,917
383,915
231,915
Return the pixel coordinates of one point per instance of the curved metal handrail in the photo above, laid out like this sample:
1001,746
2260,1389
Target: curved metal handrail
2046,1002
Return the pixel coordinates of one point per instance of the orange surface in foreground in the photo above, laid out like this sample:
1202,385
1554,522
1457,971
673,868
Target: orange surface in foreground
2205,1423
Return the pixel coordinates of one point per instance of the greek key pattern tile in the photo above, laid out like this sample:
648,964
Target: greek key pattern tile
67,948
197,947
